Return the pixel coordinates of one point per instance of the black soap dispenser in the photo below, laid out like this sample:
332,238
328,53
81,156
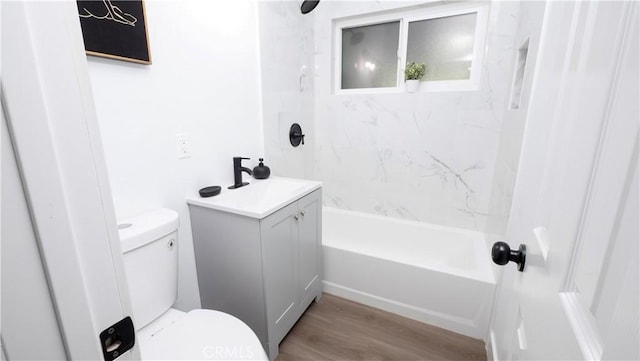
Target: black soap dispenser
261,171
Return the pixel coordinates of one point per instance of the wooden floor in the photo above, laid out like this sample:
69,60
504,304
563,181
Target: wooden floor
337,329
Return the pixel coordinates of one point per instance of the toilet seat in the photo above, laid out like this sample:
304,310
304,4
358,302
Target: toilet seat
199,335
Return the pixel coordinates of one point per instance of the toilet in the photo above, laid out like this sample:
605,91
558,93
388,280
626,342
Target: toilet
150,251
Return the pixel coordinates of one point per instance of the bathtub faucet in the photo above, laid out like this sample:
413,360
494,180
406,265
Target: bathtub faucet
237,173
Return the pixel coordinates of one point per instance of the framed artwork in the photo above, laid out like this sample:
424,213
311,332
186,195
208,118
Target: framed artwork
115,29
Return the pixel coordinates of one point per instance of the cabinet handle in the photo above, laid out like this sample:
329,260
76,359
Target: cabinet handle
295,217
302,213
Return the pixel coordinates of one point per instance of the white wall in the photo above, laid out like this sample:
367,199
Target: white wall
286,48
204,81
423,156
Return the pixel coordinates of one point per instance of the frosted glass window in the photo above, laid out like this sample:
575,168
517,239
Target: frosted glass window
444,44
369,56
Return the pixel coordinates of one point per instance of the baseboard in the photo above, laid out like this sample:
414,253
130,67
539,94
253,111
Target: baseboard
459,325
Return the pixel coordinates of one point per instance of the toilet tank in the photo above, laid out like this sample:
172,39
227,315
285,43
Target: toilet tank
150,251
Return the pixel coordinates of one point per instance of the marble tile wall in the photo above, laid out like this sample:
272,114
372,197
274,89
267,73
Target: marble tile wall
430,156
448,158
286,51
530,16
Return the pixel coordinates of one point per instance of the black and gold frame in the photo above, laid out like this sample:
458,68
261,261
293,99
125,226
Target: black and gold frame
115,29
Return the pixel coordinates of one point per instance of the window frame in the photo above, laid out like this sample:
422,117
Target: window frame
406,16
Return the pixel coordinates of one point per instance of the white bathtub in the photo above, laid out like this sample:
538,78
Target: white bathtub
438,275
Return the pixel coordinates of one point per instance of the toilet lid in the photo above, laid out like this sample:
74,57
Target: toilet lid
202,335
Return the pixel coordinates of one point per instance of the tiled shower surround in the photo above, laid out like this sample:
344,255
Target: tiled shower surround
427,156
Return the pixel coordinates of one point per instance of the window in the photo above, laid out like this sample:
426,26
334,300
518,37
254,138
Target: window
369,57
372,50
446,44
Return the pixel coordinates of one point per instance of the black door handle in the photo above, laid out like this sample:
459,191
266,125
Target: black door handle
502,254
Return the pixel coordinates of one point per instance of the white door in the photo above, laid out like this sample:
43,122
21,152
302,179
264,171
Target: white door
51,120
575,205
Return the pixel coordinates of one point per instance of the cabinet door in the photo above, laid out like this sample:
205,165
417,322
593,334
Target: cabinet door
279,254
309,246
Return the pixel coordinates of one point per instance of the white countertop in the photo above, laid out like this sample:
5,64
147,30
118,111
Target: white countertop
258,199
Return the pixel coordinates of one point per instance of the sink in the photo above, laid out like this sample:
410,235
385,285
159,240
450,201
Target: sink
258,199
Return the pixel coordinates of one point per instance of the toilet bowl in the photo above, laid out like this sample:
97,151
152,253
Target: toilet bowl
149,247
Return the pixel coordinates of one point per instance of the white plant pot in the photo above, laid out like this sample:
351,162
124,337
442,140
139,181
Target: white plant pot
413,85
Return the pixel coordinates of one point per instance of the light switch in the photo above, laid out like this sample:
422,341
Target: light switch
184,150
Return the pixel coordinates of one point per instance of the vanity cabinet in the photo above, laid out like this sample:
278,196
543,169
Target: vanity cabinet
291,263
265,271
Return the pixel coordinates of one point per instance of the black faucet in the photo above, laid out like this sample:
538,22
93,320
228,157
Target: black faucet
237,173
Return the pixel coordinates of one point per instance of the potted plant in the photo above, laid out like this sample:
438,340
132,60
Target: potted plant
412,75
